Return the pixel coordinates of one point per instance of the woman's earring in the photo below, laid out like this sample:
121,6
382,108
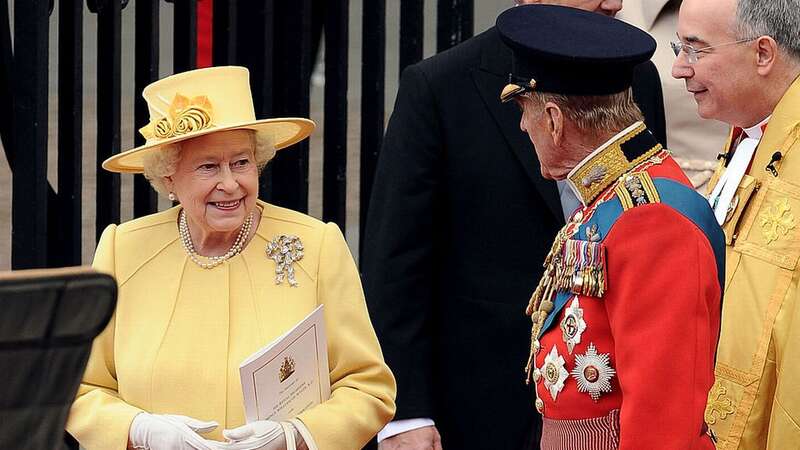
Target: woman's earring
172,197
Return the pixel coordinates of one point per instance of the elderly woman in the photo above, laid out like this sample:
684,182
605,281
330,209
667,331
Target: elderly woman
198,292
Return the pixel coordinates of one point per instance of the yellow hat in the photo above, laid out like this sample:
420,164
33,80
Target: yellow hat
199,102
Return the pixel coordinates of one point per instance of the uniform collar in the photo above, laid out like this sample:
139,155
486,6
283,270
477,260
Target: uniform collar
611,160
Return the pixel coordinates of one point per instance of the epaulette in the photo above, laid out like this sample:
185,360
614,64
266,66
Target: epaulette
636,189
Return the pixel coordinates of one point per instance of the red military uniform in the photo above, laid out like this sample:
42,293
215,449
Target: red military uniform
627,315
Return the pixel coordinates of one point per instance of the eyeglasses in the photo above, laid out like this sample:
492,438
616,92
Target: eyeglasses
693,54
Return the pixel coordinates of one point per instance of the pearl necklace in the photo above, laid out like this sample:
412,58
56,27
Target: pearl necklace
213,261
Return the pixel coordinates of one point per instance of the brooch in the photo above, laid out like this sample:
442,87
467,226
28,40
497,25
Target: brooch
285,250
593,372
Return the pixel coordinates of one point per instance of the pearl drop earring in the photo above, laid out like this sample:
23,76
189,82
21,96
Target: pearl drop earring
172,197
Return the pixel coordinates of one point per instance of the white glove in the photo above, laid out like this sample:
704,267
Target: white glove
258,435
169,432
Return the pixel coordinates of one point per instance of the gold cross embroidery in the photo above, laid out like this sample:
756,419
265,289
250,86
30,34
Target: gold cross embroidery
719,405
777,220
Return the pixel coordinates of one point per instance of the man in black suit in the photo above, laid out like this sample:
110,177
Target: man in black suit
459,225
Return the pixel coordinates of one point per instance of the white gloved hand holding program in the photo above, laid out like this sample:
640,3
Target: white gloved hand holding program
169,432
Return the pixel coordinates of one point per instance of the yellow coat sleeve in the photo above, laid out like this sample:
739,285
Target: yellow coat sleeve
99,418
362,386
784,431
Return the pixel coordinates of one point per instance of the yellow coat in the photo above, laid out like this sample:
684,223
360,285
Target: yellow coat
180,332
755,402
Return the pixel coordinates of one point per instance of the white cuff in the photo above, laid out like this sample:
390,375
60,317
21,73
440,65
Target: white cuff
396,427
305,433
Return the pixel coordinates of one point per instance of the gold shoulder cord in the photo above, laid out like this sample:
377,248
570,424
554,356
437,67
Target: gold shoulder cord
537,308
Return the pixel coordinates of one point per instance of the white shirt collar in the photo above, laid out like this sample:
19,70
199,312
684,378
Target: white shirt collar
755,131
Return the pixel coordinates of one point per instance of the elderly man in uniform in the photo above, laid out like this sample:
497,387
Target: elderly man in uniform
626,315
458,224
741,60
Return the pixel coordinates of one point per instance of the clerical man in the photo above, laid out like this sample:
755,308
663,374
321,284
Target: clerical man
741,61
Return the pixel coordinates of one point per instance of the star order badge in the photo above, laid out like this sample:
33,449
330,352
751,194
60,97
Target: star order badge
573,325
554,373
593,372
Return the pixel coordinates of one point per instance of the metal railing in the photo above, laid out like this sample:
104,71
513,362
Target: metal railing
273,38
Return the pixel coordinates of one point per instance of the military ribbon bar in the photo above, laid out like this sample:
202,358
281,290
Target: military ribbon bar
582,269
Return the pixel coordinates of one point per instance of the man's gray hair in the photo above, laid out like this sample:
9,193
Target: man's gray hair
779,19
590,113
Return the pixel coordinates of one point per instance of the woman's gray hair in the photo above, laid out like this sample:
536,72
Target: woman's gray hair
163,162
779,19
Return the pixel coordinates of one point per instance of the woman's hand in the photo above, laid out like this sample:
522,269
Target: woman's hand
169,432
261,435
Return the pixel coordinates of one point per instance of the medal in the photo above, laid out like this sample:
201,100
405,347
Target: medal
554,373
573,325
593,373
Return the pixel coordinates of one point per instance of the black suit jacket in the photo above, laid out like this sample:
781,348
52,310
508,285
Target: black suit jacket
459,224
